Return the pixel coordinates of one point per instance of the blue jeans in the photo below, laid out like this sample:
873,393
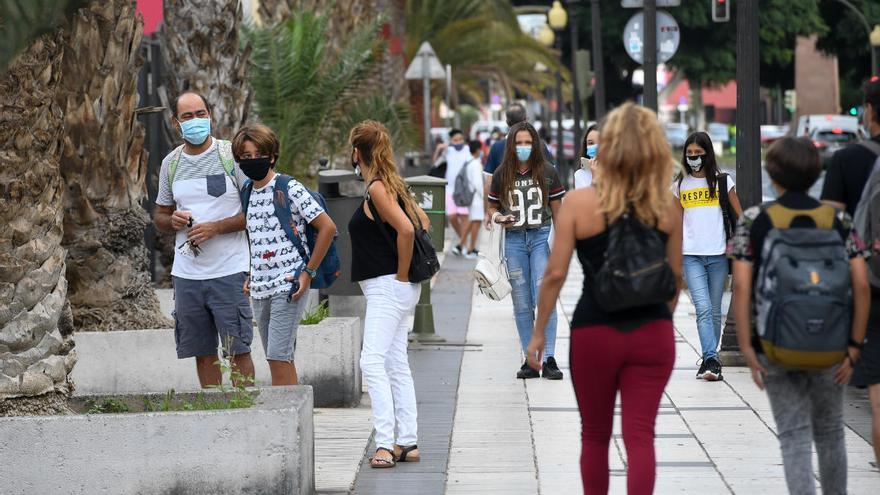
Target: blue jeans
705,277
527,252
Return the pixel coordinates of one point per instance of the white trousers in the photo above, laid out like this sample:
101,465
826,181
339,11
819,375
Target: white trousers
384,361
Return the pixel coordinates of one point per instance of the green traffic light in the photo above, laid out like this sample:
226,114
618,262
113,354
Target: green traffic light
853,111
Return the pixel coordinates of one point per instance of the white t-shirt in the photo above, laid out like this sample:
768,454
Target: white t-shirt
454,161
475,178
703,222
583,177
273,255
202,187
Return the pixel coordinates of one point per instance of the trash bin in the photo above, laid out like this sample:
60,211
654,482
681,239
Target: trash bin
340,208
430,194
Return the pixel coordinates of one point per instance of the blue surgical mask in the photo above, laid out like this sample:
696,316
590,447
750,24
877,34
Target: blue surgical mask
523,152
592,150
458,147
195,131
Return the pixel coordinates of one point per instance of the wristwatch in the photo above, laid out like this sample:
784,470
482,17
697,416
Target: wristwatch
312,272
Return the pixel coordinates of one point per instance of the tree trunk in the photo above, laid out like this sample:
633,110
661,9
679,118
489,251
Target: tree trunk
104,168
35,323
202,53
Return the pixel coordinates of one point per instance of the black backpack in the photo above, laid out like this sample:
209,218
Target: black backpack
636,271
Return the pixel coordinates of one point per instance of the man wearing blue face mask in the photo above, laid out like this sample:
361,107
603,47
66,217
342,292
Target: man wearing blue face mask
198,199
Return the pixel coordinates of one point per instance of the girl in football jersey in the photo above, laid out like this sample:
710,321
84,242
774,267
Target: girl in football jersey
524,197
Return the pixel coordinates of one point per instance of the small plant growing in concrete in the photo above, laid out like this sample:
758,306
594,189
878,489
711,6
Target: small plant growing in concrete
108,406
317,315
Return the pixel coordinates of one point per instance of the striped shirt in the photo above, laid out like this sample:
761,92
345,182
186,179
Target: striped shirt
526,201
202,187
273,255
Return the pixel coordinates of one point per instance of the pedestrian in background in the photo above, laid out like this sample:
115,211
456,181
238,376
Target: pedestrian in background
455,156
709,208
382,250
525,196
631,350
583,177
476,210
806,399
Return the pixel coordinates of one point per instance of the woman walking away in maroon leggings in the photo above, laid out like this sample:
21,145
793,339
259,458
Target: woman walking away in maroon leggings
627,232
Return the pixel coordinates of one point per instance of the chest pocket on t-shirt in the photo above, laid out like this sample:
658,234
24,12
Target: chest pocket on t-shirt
216,185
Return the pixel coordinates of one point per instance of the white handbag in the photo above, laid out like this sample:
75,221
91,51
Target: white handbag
491,269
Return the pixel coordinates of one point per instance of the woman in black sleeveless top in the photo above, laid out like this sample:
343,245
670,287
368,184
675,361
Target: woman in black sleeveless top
381,265
631,351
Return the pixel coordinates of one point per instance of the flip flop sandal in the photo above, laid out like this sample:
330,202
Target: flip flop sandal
404,455
377,462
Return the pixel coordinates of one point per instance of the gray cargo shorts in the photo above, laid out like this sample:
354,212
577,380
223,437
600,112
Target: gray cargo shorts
211,313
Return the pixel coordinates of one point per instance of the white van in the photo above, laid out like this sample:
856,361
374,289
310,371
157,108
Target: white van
808,124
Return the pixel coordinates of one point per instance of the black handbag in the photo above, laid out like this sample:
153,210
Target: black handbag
424,264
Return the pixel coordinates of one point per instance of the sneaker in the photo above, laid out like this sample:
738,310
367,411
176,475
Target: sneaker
713,370
457,250
526,372
702,371
550,370
472,255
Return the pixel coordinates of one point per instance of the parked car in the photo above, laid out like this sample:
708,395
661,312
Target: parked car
770,133
482,129
828,141
718,132
676,134
807,124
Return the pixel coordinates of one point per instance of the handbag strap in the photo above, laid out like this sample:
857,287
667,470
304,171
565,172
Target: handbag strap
381,223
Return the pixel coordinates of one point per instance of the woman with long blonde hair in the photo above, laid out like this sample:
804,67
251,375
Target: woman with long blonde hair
382,249
630,350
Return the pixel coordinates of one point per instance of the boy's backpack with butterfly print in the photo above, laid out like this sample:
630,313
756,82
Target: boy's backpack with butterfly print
328,271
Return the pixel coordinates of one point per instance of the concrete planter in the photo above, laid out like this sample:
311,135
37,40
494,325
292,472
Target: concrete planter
268,448
145,361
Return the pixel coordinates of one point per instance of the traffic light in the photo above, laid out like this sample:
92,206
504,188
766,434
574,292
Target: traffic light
720,10
854,111
790,100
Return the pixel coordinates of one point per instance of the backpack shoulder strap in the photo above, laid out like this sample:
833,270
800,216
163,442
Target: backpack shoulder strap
224,148
870,145
281,201
172,165
781,217
245,195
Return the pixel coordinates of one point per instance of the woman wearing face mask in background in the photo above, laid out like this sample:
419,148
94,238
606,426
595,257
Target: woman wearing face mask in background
583,177
524,197
710,209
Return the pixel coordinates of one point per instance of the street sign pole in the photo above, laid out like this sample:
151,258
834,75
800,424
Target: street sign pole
748,138
576,96
426,102
650,54
598,60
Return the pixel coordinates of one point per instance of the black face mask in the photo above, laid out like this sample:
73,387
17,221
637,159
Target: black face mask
256,169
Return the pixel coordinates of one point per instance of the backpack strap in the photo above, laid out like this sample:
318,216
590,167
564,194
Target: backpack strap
172,165
245,195
281,201
724,200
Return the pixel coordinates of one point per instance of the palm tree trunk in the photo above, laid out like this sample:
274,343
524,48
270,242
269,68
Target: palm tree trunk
35,325
104,168
202,53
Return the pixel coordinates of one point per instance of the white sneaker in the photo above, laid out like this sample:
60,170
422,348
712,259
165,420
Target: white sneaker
472,255
457,250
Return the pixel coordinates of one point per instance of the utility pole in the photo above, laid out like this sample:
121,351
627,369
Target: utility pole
650,65
748,138
576,96
598,65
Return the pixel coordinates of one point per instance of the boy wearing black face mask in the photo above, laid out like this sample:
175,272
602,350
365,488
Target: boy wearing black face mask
281,269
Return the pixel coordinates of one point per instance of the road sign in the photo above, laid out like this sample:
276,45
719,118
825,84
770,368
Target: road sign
638,4
416,69
668,37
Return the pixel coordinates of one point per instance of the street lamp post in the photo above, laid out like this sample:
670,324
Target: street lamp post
557,17
576,96
650,54
875,47
871,45
598,66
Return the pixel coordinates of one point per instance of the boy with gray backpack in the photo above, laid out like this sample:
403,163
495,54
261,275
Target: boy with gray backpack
803,265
